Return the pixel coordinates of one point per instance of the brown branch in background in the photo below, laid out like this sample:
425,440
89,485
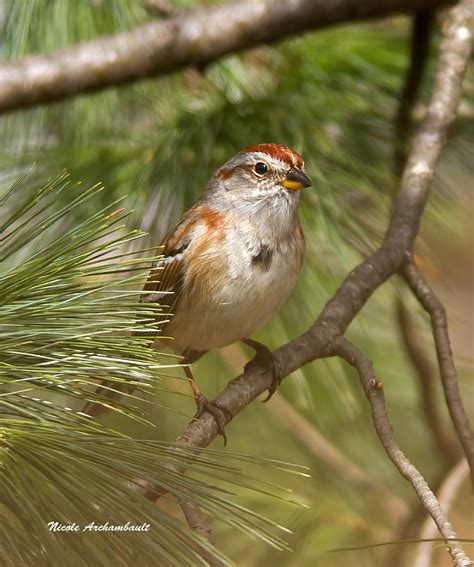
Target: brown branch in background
199,522
161,8
447,494
374,391
419,49
428,379
439,323
333,458
194,38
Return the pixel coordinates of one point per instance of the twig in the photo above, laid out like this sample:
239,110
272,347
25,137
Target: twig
199,522
447,493
408,529
196,519
428,379
374,391
420,40
193,38
439,324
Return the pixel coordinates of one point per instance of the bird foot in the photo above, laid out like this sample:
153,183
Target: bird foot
219,412
265,359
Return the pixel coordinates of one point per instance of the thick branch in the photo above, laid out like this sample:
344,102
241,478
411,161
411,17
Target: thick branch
420,40
439,323
455,51
193,38
374,392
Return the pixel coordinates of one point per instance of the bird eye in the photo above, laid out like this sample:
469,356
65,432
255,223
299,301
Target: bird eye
260,168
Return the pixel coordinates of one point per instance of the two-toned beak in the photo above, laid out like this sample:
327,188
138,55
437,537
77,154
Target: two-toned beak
296,180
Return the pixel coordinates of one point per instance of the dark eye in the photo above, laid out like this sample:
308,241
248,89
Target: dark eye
260,168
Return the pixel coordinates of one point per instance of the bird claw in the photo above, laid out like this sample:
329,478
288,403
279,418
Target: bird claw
265,359
219,412
276,380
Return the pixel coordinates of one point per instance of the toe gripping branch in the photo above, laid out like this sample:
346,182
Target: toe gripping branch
265,359
219,412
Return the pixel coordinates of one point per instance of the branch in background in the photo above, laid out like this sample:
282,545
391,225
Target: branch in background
199,522
420,41
439,324
194,38
447,493
374,391
161,8
428,379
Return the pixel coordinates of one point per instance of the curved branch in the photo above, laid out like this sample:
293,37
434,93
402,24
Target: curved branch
192,38
374,391
427,379
447,369
447,493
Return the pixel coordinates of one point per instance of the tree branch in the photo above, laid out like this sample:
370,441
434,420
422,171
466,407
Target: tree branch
427,379
447,493
193,38
160,8
420,40
374,391
199,522
439,324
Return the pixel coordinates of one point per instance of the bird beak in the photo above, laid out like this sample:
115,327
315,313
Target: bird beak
296,180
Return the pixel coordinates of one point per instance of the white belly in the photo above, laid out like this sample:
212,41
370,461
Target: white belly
243,303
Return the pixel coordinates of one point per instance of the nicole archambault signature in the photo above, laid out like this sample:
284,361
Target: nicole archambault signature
93,527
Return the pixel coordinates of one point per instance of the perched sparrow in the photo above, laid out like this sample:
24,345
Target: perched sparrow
231,261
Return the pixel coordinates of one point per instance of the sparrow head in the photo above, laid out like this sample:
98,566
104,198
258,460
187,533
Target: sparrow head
260,173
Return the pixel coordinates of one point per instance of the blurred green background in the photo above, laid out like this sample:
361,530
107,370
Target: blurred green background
332,95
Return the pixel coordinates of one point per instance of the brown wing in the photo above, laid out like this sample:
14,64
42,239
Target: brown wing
165,282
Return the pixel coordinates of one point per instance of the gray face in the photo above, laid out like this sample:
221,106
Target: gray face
251,178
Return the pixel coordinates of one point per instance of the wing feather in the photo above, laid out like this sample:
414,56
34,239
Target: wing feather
165,283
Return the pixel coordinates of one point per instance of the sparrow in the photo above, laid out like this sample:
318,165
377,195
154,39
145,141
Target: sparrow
229,264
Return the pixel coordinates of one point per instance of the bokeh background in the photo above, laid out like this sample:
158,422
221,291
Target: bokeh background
333,96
